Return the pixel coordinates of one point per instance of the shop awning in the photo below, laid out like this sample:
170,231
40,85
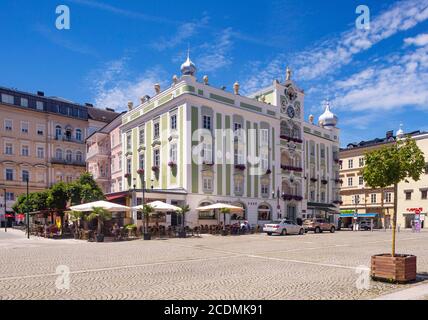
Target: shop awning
114,196
359,215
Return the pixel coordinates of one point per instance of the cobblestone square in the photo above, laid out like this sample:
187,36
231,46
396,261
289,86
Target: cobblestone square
312,266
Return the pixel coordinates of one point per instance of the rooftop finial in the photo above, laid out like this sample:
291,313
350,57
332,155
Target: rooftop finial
188,67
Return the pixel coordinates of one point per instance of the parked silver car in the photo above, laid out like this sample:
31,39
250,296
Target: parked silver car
283,227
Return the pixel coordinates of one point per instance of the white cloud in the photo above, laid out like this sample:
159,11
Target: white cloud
113,85
329,56
184,31
390,86
215,55
420,40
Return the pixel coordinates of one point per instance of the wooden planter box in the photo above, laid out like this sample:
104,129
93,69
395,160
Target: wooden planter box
401,268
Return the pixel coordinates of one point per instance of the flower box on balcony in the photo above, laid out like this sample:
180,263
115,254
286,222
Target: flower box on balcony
172,164
298,140
337,160
268,171
240,167
337,180
140,171
298,198
155,168
127,175
314,179
324,181
287,197
283,136
209,164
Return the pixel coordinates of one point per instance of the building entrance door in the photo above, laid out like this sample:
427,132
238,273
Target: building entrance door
291,213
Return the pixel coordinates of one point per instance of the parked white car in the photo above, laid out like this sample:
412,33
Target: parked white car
283,227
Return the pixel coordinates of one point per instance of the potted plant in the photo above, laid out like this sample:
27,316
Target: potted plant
324,181
132,229
155,168
127,175
240,167
389,166
183,210
75,217
172,164
101,215
147,212
314,179
268,171
224,211
140,171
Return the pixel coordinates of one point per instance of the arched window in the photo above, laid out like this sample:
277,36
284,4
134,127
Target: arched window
285,129
25,175
79,156
58,132
58,154
264,212
78,135
239,215
69,156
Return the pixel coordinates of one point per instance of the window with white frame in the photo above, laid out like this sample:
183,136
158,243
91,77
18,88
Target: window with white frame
128,166
239,155
173,122
173,153
388,197
69,156
322,196
119,158
58,154
156,130
264,137
264,161
40,152
113,160
128,141
58,132
8,148
7,98
373,198
322,153
9,174
25,175
24,102
78,134
156,158
206,122
361,162
265,190
40,105
141,160
350,182
207,152
207,184
120,185
40,129
25,151
24,127
360,180
239,186
8,125
10,196
79,157
141,135
350,164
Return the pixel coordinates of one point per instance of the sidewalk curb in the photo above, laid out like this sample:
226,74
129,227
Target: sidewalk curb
416,292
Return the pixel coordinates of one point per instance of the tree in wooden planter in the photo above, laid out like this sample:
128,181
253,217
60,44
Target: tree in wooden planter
385,167
101,215
183,210
147,212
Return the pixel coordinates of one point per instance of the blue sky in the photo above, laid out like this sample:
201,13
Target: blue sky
116,50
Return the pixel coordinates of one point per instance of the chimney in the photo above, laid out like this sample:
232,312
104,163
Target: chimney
40,93
89,105
130,105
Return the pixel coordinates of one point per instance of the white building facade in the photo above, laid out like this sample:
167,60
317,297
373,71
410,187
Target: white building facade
196,144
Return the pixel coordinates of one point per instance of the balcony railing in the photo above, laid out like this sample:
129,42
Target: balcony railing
68,162
97,151
68,139
291,168
290,197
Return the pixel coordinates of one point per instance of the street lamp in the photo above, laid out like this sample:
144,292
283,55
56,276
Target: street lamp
28,208
5,221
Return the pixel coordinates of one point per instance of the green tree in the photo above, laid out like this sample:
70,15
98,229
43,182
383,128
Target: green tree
84,190
101,215
147,212
389,166
76,217
224,211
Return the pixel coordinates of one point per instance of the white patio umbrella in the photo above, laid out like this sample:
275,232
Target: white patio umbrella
110,206
159,206
220,206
